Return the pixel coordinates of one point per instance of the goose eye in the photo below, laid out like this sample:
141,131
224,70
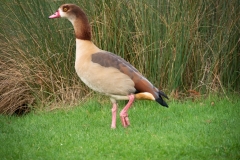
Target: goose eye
65,9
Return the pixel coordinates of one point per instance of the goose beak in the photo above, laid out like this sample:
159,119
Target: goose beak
55,15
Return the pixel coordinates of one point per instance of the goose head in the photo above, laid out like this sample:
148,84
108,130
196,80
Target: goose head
78,19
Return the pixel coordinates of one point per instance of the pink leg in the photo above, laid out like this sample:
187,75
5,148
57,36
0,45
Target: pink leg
123,113
114,112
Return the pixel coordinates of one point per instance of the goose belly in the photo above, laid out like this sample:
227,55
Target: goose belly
106,80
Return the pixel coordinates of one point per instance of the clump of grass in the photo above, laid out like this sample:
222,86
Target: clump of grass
34,60
178,46
15,93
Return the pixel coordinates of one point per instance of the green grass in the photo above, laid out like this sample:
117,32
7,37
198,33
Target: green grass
182,45
186,130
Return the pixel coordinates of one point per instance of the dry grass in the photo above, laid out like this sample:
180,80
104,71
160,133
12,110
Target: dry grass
189,49
15,93
28,81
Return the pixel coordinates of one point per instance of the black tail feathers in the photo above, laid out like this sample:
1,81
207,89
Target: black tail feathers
160,99
161,93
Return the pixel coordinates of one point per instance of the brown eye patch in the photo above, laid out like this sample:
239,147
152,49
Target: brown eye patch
65,8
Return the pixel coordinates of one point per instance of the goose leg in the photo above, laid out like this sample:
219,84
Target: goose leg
114,113
123,114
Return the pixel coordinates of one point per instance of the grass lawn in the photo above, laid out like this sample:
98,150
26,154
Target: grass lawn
186,130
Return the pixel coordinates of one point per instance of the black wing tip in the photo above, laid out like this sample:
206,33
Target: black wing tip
162,102
161,93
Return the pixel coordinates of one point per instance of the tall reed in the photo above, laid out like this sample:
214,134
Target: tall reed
178,45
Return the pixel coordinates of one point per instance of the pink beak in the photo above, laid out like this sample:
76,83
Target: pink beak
55,15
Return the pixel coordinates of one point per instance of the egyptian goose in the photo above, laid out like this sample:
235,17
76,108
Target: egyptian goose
106,72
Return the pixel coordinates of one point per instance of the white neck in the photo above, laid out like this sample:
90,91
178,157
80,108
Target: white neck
84,47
